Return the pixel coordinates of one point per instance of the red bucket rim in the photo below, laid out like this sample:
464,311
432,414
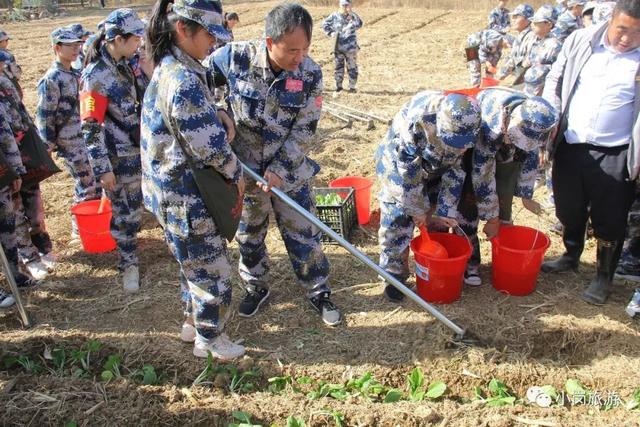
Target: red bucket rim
76,207
467,255
369,182
496,240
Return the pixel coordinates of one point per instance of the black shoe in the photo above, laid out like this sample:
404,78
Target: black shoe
600,287
392,294
329,312
24,281
564,263
353,90
252,301
339,89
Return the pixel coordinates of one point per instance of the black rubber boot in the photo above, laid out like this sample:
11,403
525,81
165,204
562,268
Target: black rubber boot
574,244
600,287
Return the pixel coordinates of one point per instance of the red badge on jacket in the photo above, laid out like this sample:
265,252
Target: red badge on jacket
293,85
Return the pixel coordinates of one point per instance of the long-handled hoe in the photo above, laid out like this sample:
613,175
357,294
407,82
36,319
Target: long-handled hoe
26,321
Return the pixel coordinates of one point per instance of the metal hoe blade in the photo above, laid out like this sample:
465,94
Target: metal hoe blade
26,321
460,333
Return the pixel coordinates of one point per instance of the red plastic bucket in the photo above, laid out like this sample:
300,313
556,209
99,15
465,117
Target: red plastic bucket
517,253
362,187
95,234
440,280
489,82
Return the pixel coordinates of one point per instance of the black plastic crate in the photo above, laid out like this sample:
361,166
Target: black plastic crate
341,219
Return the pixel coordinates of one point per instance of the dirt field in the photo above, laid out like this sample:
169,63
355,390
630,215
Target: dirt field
545,338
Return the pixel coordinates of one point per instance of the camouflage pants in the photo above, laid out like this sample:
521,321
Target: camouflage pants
630,258
205,278
300,237
351,60
126,206
76,161
475,70
31,232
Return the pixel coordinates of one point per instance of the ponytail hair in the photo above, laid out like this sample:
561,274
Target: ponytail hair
93,52
161,33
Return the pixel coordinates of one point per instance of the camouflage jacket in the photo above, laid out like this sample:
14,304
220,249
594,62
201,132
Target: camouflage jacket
489,44
491,149
499,20
180,88
543,54
344,27
58,113
411,154
276,116
8,144
520,51
16,112
567,23
117,136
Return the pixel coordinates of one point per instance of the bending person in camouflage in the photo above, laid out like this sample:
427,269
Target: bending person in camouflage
484,48
544,53
110,113
343,26
179,120
499,18
520,22
570,20
504,164
58,116
418,165
276,97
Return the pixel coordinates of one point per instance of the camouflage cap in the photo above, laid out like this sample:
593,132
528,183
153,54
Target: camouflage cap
207,13
523,10
345,2
588,6
603,11
572,3
493,104
87,43
4,36
530,123
545,13
458,121
121,22
493,39
79,30
64,35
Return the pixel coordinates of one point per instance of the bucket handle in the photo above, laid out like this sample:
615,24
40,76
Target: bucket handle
465,235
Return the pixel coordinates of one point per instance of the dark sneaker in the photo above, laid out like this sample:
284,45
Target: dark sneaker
353,90
24,281
6,300
252,301
329,312
392,294
624,273
339,89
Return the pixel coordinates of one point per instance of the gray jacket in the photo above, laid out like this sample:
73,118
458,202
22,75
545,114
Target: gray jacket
561,82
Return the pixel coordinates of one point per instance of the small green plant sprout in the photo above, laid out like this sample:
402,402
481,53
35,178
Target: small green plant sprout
436,390
393,395
278,385
295,422
29,365
243,420
332,199
240,380
415,383
82,357
577,393
147,375
111,368
634,402
207,373
499,394
366,386
71,424
323,389
59,358
305,380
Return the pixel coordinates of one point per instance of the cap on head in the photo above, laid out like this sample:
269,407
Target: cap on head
64,35
545,13
523,10
458,121
121,22
572,3
345,2
4,36
530,123
207,13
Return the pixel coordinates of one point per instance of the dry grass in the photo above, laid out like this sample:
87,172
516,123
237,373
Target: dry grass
470,5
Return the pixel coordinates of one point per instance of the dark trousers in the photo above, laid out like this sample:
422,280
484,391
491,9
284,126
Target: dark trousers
591,181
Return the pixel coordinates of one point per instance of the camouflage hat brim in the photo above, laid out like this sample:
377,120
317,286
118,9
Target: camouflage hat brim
4,36
517,137
209,19
459,141
530,124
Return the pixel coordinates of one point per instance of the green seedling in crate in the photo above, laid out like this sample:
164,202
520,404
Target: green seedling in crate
332,199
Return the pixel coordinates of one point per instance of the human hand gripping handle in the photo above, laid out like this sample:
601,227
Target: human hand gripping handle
108,181
272,179
492,227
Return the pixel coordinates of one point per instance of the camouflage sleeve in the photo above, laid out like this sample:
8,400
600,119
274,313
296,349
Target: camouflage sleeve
202,132
549,54
484,180
357,21
94,135
220,61
46,111
20,119
10,147
327,25
493,21
451,191
293,151
553,83
528,175
409,164
474,71
508,67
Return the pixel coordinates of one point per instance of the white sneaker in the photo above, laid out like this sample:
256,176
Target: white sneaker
221,348
131,279
6,300
188,333
471,276
37,269
49,260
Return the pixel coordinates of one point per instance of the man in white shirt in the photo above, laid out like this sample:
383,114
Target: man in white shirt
596,152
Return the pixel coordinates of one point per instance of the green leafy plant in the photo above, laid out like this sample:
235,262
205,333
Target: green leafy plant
111,367
295,422
207,373
240,380
415,382
577,391
393,395
29,365
499,394
82,358
59,358
366,386
331,199
436,390
323,389
634,401
279,385
147,375
244,420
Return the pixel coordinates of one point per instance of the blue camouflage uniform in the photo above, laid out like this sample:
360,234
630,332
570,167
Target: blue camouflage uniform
58,122
418,165
567,23
521,45
543,54
113,146
489,45
527,122
499,20
276,118
343,27
629,264
80,33
12,70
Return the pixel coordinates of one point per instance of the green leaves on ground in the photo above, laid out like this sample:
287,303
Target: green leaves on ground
499,394
332,199
634,401
244,420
